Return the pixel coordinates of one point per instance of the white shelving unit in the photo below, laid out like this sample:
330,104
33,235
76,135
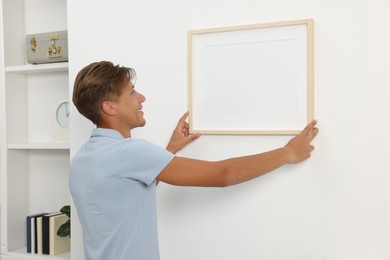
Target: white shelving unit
20,254
37,68
39,146
34,163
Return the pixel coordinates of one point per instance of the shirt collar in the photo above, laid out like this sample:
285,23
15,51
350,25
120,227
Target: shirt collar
106,132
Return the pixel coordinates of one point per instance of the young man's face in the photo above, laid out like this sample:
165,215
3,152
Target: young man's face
130,107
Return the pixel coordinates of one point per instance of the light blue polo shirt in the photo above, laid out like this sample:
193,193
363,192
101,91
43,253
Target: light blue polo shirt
112,181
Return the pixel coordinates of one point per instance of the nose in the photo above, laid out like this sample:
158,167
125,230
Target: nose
141,98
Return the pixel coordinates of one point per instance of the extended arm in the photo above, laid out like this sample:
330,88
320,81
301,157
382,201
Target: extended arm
190,172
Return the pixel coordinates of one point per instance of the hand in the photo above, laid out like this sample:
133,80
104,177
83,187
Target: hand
299,147
181,135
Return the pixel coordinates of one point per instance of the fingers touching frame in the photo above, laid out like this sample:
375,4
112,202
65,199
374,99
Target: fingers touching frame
310,130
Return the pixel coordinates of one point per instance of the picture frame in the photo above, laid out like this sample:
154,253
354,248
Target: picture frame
251,79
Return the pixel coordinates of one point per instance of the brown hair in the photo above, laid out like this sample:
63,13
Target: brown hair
98,82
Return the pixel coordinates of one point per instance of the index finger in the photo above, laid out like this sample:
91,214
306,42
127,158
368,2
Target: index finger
309,127
184,117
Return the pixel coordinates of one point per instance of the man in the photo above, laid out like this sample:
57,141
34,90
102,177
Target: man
113,177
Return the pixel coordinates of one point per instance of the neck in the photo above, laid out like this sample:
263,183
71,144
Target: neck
124,131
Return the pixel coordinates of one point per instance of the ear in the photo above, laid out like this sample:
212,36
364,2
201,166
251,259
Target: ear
108,108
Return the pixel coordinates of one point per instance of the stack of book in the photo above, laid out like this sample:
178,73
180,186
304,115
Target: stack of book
42,235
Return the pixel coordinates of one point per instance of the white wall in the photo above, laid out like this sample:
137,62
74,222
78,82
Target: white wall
334,206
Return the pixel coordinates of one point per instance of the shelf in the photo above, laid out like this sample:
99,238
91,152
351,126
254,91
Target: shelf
39,146
35,155
22,255
38,68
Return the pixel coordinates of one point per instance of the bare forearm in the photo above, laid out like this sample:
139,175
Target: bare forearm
241,169
190,172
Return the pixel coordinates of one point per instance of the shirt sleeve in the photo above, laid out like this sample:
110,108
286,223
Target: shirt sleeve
142,160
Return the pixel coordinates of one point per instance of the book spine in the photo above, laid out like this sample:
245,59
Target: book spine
35,236
39,235
58,244
32,220
28,222
45,235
